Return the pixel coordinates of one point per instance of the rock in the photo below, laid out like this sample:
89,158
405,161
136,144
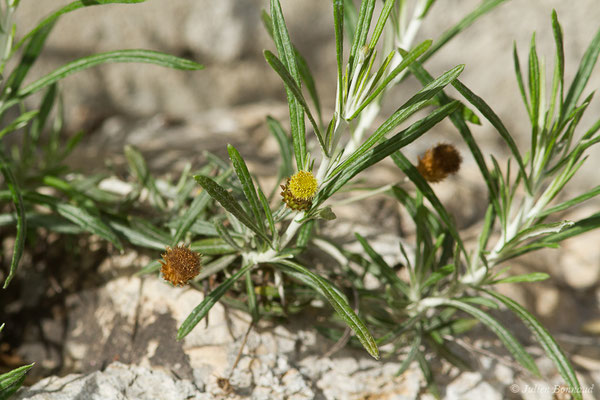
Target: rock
117,381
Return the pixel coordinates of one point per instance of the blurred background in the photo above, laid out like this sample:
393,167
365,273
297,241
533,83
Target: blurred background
227,36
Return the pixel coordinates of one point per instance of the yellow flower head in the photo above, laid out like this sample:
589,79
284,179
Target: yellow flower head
180,265
299,190
438,162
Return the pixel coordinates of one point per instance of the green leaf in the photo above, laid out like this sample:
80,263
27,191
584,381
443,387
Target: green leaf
384,149
38,124
535,90
407,59
482,301
383,17
252,304
415,103
132,55
91,223
216,266
198,205
414,175
570,203
241,170
138,237
540,229
383,268
426,369
283,141
338,21
226,236
581,226
11,381
519,75
438,274
212,246
150,268
409,358
365,14
586,67
340,306
51,19
548,343
18,122
531,277
221,195
458,121
514,347
209,301
268,213
295,90
17,199
30,55
285,49
491,116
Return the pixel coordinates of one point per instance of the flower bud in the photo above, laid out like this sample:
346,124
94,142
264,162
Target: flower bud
438,162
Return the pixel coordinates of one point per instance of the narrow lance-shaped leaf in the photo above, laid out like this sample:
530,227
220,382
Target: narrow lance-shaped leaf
138,237
458,121
285,49
560,56
338,17
133,55
37,126
277,131
212,246
491,116
388,273
548,343
415,103
301,63
248,187
383,17
384,149
17,200
11,381
519,74
365,15
87,221
414,175
209,301
586,67
407,59
340,306
18,122
198,205
532,277
296,92
229,203
514,347
29,57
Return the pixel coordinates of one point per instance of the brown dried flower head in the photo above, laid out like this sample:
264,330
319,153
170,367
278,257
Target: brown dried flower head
180,265
299,190
438,162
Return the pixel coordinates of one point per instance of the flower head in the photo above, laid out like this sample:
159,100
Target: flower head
180,265
299,190
438,162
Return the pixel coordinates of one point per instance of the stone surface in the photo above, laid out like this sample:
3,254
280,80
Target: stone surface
131,320
119,382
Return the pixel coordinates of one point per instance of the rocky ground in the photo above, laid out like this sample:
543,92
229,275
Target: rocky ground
96,331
